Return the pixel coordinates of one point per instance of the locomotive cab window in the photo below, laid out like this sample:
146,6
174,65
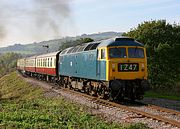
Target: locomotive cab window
136,52
117,53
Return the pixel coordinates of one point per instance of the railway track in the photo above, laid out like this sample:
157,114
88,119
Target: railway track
161,109
139,113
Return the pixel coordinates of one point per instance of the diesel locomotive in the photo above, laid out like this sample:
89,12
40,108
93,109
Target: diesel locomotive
114,69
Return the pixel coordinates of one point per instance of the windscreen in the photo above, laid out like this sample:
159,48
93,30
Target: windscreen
135,52
117,53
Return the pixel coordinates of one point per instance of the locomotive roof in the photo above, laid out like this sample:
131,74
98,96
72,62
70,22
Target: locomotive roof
82,47
119,41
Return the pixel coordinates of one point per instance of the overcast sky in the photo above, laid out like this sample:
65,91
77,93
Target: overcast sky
27,21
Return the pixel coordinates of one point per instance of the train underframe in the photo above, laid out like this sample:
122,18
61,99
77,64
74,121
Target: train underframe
115,90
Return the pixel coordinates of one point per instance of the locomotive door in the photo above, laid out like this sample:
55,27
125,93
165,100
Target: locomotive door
98,64
101,64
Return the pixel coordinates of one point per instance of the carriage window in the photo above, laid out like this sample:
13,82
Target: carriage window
117,53
103,54
51,63
48,62
55,62
136,52
44,62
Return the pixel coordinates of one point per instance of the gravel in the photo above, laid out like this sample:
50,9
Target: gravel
171,104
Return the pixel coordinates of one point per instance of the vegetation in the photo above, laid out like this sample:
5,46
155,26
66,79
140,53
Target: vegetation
162,41
24,105
75,43
8,62
163,95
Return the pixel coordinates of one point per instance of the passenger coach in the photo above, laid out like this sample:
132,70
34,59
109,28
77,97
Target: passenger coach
30,67
47,66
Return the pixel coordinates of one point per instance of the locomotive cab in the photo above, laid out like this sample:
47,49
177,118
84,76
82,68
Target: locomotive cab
126,63
126,67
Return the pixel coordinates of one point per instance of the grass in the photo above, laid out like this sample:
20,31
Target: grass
164,95
24,105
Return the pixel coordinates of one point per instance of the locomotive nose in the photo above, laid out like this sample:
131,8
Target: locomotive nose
123,70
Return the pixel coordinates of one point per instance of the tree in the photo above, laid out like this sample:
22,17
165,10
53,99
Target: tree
162,41
8,62
75,43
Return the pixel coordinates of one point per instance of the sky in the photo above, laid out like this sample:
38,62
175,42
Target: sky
28,21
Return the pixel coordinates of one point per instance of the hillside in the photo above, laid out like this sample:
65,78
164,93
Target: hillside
37,48
8,63
25,105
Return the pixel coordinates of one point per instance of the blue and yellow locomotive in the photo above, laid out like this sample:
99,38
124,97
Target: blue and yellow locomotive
115,68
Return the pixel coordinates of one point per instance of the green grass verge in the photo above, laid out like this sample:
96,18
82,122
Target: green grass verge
164,95
24,105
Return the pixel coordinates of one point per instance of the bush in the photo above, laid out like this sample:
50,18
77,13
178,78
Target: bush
162,41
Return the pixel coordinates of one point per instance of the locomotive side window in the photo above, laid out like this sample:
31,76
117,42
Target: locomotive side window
94,46
103,54
63,52
91,46
82,48
117,53
88,47
75,49
70,50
